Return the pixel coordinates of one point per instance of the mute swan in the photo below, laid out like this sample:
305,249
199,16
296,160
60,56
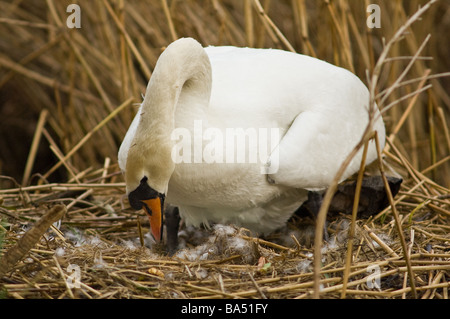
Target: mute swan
319,110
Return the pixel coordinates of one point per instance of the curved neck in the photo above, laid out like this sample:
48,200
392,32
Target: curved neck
182,73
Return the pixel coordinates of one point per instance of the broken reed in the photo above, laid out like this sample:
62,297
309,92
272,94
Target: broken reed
83,109
111,270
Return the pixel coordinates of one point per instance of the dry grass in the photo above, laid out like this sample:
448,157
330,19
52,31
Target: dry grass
68,96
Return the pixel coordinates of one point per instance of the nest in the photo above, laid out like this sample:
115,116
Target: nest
96,251
66,228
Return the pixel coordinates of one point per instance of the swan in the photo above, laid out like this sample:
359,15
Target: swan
316,111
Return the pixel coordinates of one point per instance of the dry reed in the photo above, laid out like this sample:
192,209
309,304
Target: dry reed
67,97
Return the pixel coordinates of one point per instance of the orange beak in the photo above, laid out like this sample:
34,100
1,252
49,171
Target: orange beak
153,208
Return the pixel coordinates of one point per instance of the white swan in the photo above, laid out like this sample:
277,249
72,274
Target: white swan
320,110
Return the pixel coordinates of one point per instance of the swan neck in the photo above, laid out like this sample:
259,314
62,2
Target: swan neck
182,78
184,74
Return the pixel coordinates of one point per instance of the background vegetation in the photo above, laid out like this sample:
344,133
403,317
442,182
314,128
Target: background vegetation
67,97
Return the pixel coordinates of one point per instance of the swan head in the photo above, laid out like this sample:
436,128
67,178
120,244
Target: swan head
147,178
152,201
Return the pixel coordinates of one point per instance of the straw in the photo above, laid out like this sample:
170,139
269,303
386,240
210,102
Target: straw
68,98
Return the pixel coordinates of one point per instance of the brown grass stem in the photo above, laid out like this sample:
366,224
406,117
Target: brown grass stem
397,219
351,232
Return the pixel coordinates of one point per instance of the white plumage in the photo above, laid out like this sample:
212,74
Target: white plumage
320,110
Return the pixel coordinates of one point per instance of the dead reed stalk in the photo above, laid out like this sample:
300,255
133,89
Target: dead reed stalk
66,100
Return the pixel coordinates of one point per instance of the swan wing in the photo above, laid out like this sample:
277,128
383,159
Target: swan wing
319,139
321,109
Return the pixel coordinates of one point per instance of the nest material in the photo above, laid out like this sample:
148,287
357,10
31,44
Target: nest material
69,82
99,238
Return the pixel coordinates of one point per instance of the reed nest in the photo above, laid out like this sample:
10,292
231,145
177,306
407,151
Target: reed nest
69,95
